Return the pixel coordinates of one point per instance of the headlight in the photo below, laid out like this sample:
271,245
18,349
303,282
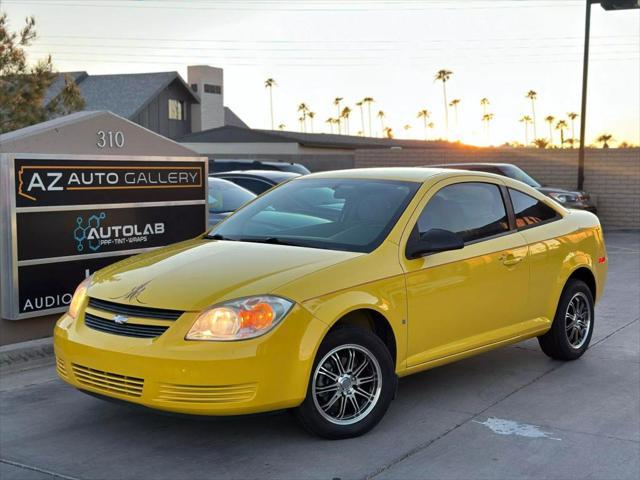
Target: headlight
79,297
240,319
564,197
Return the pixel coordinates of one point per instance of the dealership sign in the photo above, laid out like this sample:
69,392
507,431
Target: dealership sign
64,217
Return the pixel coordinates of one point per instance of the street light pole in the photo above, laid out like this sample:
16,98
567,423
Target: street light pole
607,5
583,111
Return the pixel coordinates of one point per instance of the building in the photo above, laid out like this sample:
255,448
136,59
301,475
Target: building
317,151
160,101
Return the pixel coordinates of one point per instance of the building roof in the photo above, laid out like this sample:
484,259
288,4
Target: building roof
232,134
58,83
230,118
127,94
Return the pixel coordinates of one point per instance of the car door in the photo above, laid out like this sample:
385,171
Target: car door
464,299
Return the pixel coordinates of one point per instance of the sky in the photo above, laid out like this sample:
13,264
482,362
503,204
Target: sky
390,50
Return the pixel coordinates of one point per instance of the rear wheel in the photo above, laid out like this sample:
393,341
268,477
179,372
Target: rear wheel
351,386
572,326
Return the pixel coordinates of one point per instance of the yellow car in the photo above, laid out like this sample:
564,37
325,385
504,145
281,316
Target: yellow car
320,293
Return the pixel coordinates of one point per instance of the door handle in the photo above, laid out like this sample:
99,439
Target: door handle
509,260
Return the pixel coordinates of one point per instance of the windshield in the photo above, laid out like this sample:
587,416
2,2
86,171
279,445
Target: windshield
517,173
225,196
335,214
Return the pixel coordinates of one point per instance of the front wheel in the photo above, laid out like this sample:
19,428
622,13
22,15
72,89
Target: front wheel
572,326
351,386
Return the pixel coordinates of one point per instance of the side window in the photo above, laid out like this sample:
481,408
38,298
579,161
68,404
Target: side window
472,210
255,186
530,211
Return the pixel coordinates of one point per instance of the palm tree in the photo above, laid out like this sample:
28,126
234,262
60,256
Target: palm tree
526,119
572,116
431,125
311,116
541,142
388,132
301,122
282,126
443,76
369,101
330,122
561,125
407,127
424,115
484,102
359,105
605,138
533,95
549,119
270,83
303,109
487,117
346,111
336,102
381,117
454,103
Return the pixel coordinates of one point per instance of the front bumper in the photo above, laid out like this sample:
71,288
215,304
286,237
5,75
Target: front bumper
193,377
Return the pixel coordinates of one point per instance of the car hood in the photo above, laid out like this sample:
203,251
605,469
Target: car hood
193,275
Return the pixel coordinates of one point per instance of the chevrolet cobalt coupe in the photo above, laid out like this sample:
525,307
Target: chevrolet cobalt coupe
319,294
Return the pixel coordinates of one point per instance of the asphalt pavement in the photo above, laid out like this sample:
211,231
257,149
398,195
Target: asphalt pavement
507,414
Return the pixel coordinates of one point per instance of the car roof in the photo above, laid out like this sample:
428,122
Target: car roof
407,174
276,175
472,164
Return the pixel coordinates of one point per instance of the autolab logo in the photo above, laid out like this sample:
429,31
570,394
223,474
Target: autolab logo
93,232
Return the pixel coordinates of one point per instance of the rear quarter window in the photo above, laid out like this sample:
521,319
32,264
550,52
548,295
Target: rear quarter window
530,211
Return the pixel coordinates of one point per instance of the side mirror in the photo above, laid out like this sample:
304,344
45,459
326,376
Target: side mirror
432,241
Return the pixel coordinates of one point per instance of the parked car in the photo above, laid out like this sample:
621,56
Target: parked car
228,165
570,199
290,304
257,181
224,198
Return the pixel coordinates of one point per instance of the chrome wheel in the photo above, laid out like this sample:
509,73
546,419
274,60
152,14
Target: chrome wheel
346,384
578,320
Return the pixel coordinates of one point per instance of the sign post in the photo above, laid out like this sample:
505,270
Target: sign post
65,216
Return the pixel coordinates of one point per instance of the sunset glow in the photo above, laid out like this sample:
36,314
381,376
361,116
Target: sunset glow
318,50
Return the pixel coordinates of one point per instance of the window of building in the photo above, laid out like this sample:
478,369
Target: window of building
530,211
176,109
472,210
208,88
194,87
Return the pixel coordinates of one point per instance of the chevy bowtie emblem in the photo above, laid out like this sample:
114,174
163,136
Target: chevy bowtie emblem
120,319
133,294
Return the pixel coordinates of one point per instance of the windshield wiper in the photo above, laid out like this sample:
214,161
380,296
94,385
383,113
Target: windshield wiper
217,236
273,240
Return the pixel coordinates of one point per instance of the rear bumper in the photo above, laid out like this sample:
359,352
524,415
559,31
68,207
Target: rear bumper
205,378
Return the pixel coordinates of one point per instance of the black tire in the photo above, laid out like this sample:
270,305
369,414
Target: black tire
557,343
363,342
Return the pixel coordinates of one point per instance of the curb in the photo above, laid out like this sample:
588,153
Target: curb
26,354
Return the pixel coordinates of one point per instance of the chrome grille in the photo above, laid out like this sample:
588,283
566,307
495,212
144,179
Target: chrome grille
137,330
134,310
107,381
